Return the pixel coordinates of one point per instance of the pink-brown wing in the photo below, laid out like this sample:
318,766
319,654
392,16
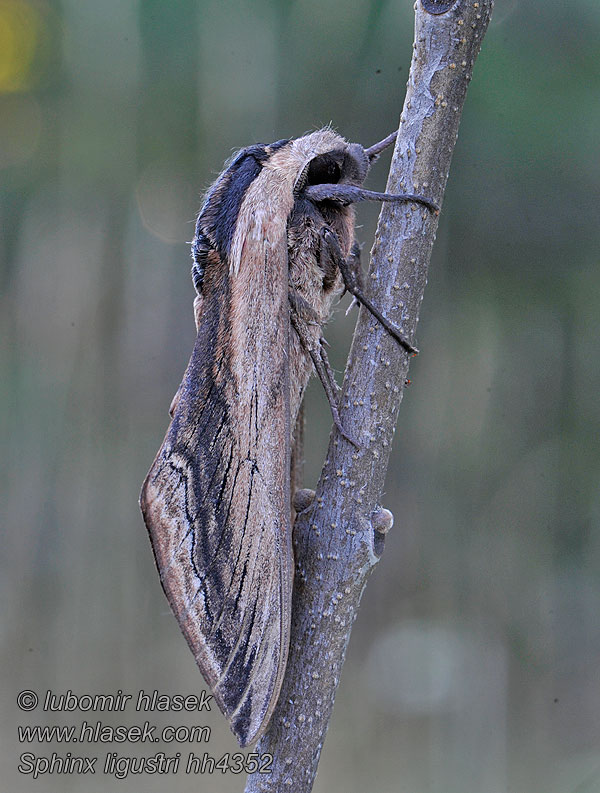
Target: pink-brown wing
216,500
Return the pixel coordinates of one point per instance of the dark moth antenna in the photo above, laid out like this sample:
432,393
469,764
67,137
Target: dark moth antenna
375,150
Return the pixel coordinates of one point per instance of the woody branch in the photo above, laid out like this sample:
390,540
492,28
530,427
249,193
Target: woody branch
336,546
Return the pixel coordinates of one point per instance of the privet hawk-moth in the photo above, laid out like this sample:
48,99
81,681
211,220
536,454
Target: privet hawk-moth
274,247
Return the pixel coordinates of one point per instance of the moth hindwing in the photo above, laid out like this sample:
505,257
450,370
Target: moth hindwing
274,242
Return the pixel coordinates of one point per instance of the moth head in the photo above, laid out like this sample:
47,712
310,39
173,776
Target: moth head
341,164
335,171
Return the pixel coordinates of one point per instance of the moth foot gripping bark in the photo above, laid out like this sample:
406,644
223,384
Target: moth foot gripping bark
272,251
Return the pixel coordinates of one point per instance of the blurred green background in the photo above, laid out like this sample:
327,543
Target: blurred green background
474,666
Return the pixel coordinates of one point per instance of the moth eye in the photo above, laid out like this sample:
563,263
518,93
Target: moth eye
323,170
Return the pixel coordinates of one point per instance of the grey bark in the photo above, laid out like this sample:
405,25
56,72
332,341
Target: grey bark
335,544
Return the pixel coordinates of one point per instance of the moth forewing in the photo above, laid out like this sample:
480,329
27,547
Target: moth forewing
216,500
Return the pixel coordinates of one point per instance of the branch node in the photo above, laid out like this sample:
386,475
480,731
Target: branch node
382,520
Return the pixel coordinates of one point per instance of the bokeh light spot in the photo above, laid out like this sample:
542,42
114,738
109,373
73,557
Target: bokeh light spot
167,202
20,28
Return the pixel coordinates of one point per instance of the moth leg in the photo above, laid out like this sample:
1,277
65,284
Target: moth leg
302,308
297,460
321,364
352,282
305,312
325,358
325,374
354,263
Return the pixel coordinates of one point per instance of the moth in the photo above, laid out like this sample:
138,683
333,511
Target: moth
274,247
